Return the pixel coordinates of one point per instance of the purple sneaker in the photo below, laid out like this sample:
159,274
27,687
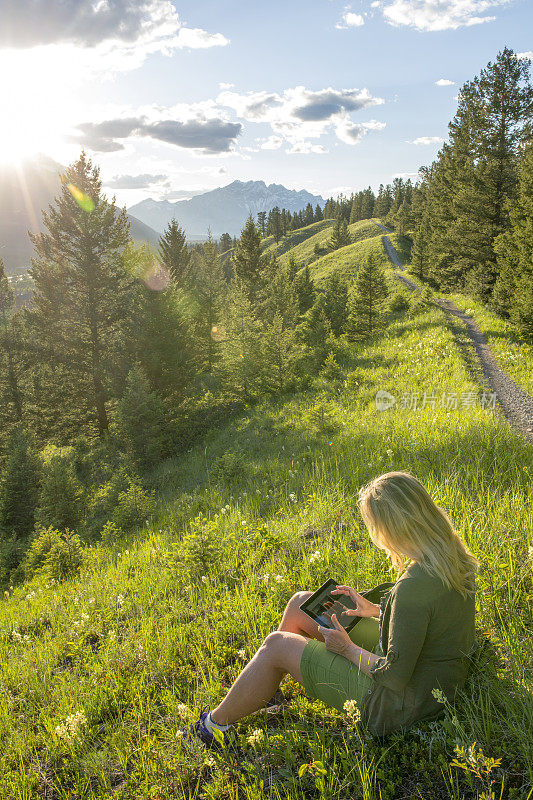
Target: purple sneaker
199,730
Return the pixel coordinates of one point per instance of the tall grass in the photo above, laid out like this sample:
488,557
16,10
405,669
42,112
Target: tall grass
153,630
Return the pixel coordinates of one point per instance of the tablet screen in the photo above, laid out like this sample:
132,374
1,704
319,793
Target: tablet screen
322,604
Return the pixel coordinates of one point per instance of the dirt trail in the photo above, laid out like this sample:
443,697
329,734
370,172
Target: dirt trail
515,403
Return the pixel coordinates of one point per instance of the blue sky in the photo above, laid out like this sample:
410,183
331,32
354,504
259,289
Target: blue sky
176,98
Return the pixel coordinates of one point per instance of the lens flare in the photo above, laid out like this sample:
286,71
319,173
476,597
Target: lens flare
218,333
157,277
85,202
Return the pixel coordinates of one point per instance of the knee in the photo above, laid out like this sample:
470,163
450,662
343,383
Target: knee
273,645
297,599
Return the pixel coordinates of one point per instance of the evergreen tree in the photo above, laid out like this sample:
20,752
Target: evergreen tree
19,488
225,243
336,302
262,222
242,359
355,211
404,219
174,254
282,353
248,263
305,290
309,216
513,293
209,290
367,204
319,216
340,236
82,295
275,227
8,341
366,299
61,496
314,332
141,422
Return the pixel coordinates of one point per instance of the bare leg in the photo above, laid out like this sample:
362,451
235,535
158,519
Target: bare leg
281,652
295,621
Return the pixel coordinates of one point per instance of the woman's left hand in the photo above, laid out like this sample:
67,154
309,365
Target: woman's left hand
336,640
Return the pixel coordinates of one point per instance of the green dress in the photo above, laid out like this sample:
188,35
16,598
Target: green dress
423,641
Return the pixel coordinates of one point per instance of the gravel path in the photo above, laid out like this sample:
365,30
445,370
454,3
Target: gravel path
515,404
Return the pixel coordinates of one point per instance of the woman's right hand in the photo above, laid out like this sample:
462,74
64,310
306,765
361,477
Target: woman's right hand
364,607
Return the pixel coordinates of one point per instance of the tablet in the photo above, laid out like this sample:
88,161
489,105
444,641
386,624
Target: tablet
322,604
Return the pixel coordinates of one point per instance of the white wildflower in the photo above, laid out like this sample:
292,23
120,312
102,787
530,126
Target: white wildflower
256,737
209,761
389,452
241,653
352,709
278,578
183,711
179,733
120,599
70,730
243,522
292,497
204,579
111,635
266,578
314,557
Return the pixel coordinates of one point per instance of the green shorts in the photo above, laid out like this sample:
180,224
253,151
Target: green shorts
332,678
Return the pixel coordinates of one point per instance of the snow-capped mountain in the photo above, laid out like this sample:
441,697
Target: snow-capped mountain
223,210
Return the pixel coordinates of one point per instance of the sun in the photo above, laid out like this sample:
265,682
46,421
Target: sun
33,101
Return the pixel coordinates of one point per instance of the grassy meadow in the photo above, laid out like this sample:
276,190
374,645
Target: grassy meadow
99,673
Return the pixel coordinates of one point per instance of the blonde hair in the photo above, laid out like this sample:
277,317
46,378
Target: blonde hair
403,520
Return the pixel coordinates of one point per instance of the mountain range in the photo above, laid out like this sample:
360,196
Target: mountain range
222,210
27,189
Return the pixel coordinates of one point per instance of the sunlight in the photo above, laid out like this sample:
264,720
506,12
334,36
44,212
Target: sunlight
34,99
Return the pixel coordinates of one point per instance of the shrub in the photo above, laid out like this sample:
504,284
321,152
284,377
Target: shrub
134,507
321,416
398,302
54,553
200,549
228,467
331,369
105,498
61,499
111,533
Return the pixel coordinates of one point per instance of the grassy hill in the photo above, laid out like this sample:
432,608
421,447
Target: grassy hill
99,672
160,623
304,251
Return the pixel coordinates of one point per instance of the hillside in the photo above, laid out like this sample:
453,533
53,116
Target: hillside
222,210
160,621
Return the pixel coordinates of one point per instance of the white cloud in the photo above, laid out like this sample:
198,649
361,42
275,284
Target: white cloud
440,15
526,55
272,143
423,140
350,20
100,37
299,115
305,148
444,82
226,85
197,39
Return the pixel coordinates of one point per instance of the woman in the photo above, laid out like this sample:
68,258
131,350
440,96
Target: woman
416,640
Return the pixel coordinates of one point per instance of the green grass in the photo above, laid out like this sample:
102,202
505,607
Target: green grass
304,252
346,260
139,633
293,238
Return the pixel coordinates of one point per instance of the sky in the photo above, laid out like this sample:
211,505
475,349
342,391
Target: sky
172,99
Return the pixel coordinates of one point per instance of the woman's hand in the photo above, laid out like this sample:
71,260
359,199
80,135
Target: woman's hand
337,639
364,607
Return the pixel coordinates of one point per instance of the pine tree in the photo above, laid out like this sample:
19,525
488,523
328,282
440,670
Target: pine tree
355,211
340,236
61,496
8,340
262,222
305,290
174,254
275,227
19,488
141,422
82,295
336,302
242,360
309,215
513,293
314,332
404,219
367,204
209,290
366,299
319,216
225,243
282,352
248,263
